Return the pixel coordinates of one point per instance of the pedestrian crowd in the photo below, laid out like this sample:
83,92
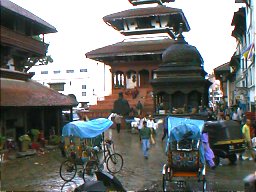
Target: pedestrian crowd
146,125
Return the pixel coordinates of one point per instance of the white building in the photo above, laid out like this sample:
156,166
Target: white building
87,82
244,32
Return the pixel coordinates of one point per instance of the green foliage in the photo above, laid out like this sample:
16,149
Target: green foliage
31,61
24,138
2,139
35,132
54,140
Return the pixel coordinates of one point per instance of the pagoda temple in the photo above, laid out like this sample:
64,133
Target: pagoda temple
180,82
136,62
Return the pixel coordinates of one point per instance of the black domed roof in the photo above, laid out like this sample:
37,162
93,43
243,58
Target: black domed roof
181,51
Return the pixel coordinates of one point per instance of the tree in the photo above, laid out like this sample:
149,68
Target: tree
31,61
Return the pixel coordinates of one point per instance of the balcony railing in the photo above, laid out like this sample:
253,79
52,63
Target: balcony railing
25,43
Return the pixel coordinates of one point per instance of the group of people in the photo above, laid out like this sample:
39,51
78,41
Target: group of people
147,127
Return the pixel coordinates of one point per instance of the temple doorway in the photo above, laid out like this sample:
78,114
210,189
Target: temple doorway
144,78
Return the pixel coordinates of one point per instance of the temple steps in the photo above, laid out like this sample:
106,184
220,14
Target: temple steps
104,107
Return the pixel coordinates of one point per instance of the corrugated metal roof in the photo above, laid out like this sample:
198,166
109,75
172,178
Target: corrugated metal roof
131,48
20,93
23,12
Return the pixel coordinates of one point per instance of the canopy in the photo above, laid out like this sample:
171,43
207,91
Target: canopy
180,127
184,128
86,129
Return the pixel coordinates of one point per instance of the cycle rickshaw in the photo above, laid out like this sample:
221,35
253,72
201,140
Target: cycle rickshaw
185,153
83,142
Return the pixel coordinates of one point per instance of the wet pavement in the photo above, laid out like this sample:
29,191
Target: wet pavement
41,172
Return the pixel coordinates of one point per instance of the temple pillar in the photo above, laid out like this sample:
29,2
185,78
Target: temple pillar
202,99
170,104
150,74
113,80
137,79
154,102
125,80
186,103
117,82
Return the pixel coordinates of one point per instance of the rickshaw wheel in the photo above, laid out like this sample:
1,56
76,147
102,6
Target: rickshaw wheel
232,158
217,160
68,170
166,180
204,184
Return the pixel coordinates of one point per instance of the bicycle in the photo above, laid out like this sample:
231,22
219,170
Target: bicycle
91,162
114,160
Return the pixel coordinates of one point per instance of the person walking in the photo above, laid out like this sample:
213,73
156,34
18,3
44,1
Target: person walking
247,136
145,136
118,121
151,126
139,107
208,153
121,107
140,125
165,128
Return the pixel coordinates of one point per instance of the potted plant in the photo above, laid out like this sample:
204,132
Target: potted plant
25,140
35,133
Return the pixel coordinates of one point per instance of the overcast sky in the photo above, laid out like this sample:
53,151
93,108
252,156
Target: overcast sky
81,28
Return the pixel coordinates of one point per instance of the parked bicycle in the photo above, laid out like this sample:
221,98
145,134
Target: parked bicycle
90,161
81,151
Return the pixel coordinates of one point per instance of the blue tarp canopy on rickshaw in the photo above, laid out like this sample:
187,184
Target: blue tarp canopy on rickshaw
178,127
185,128
86,129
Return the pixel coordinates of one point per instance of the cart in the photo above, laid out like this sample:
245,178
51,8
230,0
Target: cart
83,140
185,154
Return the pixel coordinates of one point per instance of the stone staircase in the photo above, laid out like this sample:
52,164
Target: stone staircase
104,107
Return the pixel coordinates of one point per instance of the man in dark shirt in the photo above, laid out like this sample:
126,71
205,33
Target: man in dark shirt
121,106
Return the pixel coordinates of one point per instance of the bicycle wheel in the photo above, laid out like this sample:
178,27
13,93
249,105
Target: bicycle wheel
115,163
68,170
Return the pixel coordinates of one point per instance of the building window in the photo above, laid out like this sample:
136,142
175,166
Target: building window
56,72
83,70
70,71
83,86
44,72
83,93
57,86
